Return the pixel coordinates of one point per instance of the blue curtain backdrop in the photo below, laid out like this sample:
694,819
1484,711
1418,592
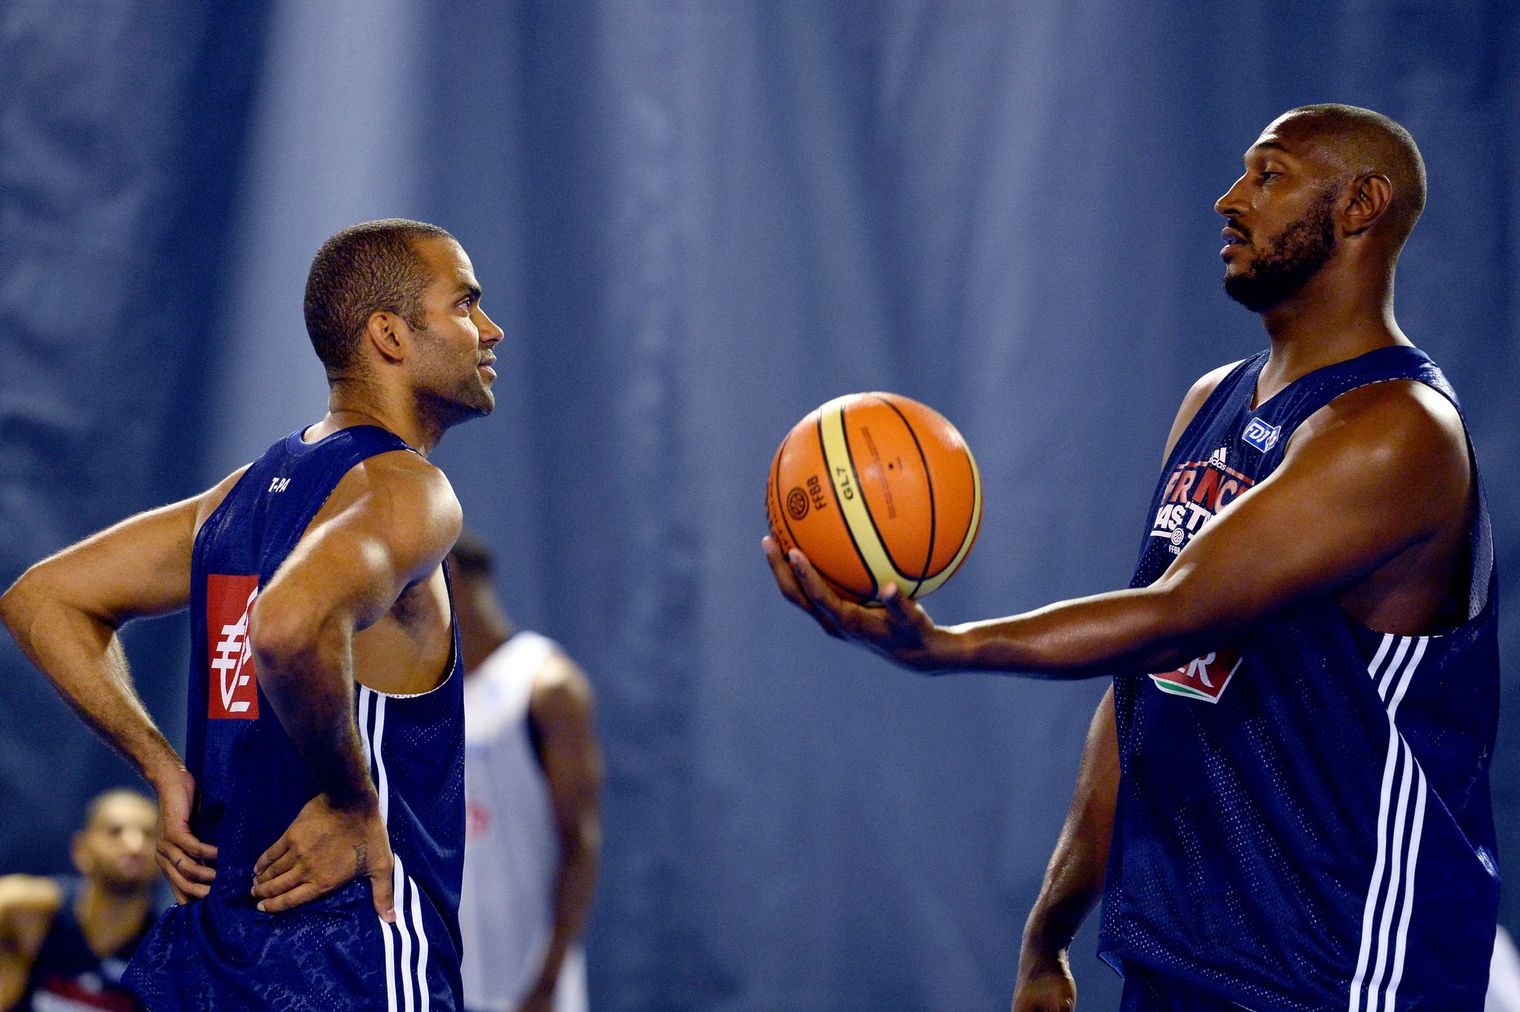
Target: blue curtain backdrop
697,221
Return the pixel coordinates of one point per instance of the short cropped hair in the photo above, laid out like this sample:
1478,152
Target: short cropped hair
366,268
1369,141
470,556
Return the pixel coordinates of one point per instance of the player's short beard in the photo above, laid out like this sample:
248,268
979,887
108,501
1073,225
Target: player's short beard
1293,257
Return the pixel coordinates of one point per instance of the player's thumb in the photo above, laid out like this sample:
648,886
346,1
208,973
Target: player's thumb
384,893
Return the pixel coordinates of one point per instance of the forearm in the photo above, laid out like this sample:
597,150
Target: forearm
311,687
574,886
1074,877
1141,630
82,657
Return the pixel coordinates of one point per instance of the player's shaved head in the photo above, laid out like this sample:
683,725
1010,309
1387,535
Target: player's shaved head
1360,142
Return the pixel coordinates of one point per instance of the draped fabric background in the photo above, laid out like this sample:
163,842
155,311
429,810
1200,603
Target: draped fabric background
697,221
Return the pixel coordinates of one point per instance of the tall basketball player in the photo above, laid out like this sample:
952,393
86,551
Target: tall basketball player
313,834
1284,798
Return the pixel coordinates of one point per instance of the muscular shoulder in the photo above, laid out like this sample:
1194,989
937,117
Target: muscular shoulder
1399,423
1194,399
402,492
27,906
1402,432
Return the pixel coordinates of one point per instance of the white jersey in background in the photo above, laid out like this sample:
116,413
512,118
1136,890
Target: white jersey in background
511,850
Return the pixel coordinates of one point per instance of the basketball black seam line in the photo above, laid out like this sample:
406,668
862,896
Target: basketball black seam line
923,573
974,524
823,451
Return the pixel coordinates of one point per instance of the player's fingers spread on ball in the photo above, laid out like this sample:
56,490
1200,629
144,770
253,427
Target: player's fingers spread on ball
786,579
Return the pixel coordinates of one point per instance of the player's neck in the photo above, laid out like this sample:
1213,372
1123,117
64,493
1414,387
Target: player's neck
349,405
1331,319
109,917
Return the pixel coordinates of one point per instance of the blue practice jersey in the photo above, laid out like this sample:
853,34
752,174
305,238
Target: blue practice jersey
1303,817
333,953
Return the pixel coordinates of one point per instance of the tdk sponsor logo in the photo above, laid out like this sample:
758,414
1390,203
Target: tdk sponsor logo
1261,435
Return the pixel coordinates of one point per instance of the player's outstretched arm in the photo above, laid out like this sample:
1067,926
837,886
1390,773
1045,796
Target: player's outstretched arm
64,613
1379,471
1074,877
388,525
561,712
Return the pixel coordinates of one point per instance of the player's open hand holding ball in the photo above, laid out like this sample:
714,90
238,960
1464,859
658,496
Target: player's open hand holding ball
873,501
324,849
899,628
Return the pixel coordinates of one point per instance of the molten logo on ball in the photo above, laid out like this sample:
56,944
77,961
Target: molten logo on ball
797,503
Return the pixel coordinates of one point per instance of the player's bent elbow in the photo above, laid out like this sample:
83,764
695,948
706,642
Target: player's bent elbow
282,634
19,601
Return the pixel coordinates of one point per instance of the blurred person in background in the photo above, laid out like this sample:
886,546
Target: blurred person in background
65,941
533,774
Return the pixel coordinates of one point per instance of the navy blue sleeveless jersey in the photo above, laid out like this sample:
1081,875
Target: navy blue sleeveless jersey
335,952
1303,817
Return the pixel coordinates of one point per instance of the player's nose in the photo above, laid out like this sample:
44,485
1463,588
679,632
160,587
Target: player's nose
1229,204
490,333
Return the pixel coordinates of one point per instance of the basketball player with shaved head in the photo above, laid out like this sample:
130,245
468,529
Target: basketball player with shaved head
1284,796
314,831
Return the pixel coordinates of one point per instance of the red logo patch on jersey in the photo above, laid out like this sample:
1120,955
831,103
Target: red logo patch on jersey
1202,678
233,691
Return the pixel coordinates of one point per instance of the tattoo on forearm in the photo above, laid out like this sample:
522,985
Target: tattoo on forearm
361,859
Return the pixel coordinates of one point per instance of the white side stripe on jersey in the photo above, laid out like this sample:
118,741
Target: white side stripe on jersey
412,985
1382,950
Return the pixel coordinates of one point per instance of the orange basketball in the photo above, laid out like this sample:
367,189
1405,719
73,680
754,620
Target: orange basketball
875,489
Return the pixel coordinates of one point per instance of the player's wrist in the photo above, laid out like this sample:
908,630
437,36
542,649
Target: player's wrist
362,802
950,648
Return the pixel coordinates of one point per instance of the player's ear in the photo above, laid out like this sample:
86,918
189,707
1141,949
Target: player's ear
389,335
1369,199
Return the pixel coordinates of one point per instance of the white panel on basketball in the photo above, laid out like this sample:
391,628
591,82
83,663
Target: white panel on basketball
932,584
847,492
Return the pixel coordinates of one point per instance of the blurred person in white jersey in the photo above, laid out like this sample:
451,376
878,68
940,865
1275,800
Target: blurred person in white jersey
533,775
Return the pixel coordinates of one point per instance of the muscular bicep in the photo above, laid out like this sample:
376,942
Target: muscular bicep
1366,480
